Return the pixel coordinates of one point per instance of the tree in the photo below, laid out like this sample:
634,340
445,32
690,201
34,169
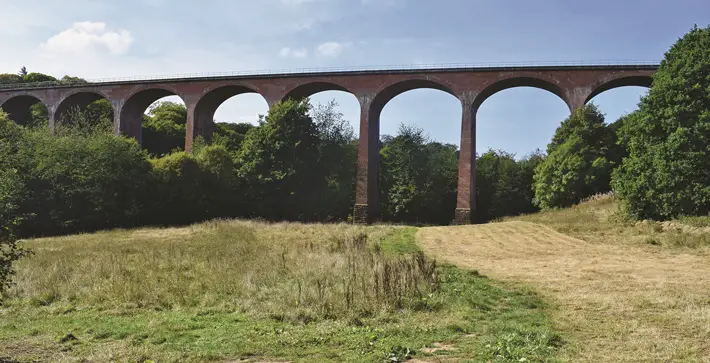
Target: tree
402,176
35,77
164,128
278,163
577,165
97,115
504,185
418,178
23,72
231,135
441,183
337,159
8,78
12,191
73,80
666,173
526,167
80,180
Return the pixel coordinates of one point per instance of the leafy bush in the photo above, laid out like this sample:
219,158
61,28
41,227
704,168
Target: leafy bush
176,197
83,182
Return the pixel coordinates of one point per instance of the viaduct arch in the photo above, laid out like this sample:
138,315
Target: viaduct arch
575,85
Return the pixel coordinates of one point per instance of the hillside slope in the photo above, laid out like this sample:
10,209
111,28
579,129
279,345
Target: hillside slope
624,291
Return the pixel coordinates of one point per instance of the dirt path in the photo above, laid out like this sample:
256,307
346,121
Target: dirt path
613,302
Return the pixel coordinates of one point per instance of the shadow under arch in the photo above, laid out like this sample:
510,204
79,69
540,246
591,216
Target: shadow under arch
517,82
309,89
390,92
639,81
19,108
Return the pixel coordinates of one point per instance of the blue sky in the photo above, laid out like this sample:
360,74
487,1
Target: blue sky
100,38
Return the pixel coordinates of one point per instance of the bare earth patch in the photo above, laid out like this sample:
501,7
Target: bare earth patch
614,302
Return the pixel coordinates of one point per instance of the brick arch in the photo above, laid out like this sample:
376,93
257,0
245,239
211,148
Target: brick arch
18,106
77,98
543,83
622,80
309,89
130,113
201,122
386,93
167,89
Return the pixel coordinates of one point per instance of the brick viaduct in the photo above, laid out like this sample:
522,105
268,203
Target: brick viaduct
575,85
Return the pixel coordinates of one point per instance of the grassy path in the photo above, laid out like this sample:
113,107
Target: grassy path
615,302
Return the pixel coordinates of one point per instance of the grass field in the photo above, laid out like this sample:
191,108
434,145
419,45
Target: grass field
232,291
622,291
578,284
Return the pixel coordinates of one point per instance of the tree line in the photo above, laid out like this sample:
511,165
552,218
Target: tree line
299,163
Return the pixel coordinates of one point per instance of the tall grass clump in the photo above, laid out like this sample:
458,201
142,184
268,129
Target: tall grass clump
265,270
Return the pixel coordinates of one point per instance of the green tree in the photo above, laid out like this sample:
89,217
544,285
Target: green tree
231,135
80,181
278,163
164,128
504,185
73,80
38,77
337,160
526,180
12,191
418,178
9,78
97,115
402,174
666,173
39,115
577,165
441,183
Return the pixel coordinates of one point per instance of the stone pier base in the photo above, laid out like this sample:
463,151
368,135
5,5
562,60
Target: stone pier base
361,214
463,216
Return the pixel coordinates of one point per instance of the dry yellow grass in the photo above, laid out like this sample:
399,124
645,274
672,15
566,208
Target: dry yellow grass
615,301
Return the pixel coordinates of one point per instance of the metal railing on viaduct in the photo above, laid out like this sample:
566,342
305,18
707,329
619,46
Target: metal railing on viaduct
576,83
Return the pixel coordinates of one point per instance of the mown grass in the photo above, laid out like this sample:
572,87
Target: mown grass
600,220
230,290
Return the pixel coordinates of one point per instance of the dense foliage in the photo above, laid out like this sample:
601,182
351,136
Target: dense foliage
417,178
12,191
503,184
578,164
666,172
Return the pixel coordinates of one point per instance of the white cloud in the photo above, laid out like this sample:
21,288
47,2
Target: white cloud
330,49
295,53
87,37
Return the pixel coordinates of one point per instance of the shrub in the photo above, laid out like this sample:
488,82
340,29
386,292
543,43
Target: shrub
80,182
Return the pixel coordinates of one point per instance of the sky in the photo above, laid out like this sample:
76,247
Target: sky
96,39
